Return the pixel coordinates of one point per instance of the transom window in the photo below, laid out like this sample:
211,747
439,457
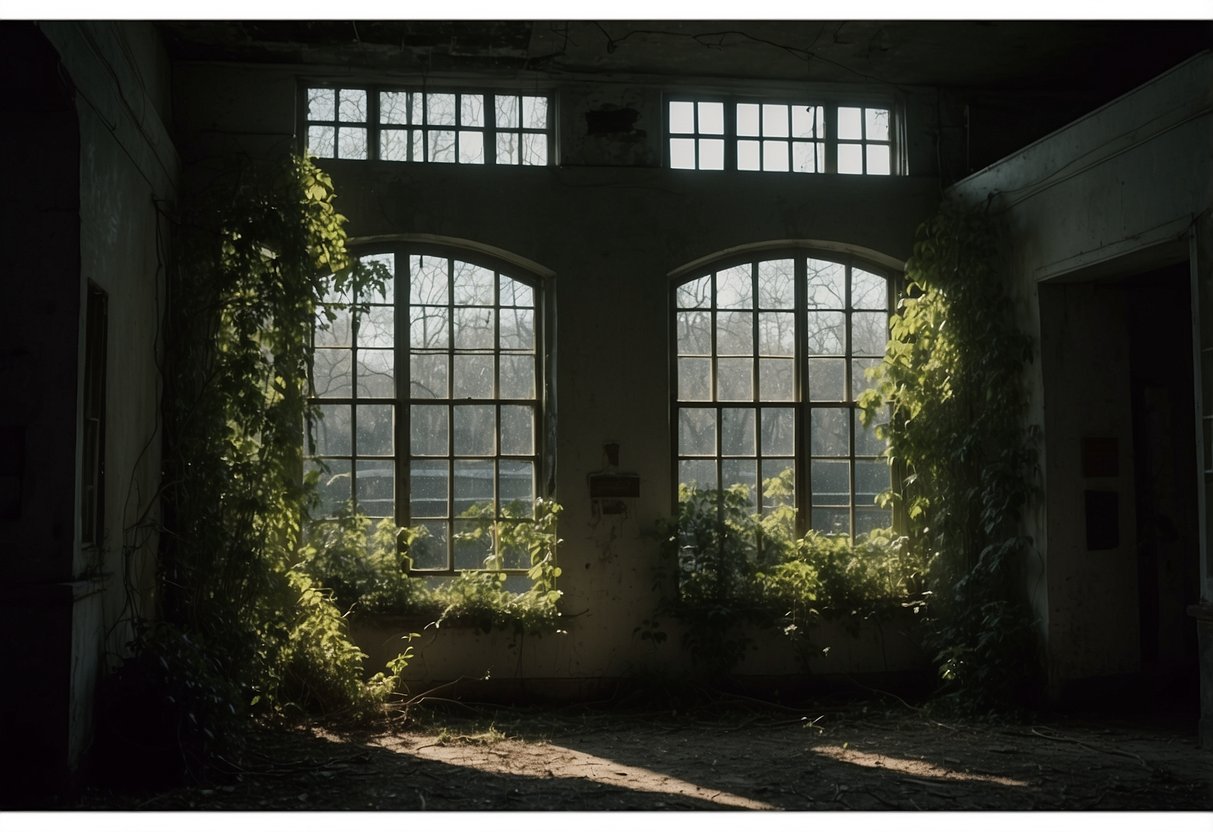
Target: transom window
403,125
430,394
770,359
779,136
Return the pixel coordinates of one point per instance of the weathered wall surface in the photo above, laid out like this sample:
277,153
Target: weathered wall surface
610,225
1121,191
89,183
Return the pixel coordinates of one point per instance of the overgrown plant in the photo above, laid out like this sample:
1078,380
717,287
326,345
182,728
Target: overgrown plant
952,377
237,615
736,568
368,569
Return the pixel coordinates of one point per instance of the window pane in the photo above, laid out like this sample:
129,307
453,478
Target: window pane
870,519
428,371
332,430
775,156
351,143
375,427
774,120
830,431
682,154
386,294
694,333
429,430
776,333
440,145
878,159
473,484
375,327
859,380
376,378
779,485
417,140
507,110
711,117
517,329
778,431
776,377
472,284
826,333
475,430
507,148
682,117
697,473
737,431
473,376
807,157
393,108
534,149
352,105
831,521
696,431
866,441
393,146
850,158
428,327
826,379
776,284
830,481
471,110
416,108
734,333
826,284
735,379
711,154
535,112
876,124
869,333
333,487
749,155
429,551
695,294
333,373
471,147
428,280
321,141
747,119
741,472
868,291
850,124
516,486
321,104
695,379
440,108
517,429
518,377
806,122
376,494
473,327
735,288
428,482
871,478
472,541
515,292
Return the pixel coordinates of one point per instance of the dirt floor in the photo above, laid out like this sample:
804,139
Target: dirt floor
733,753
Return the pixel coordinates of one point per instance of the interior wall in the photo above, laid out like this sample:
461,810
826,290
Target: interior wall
611,225
89,163
1117,192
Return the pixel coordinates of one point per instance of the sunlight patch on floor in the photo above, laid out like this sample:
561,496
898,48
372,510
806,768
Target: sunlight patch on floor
506,757
917,768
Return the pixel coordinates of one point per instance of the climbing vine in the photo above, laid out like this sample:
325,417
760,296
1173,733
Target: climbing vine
242,629
952,377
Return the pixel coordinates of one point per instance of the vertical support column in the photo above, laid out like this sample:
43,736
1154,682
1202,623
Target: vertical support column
1201,263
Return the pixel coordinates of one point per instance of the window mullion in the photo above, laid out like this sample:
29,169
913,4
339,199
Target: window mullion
801,397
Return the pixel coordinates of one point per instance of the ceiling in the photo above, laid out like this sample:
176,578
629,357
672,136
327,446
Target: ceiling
1100,58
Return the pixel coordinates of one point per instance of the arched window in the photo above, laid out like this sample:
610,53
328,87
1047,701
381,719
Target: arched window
431,398
771,355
